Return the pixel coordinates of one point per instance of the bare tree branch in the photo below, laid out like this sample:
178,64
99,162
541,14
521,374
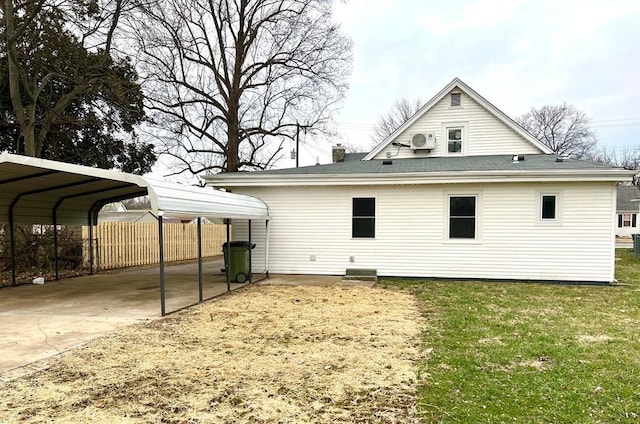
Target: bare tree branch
400,112
562,128
229,80
627,157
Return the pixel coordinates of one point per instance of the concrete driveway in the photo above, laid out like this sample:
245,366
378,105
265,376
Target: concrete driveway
38,321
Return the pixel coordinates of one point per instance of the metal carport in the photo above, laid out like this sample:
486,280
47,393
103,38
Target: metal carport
39,191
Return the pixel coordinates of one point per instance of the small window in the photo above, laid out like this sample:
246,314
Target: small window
548,206
628,220
454,138
462,217
364,217
455,99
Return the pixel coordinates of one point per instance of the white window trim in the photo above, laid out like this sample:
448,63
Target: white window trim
465,137
478,235
558,218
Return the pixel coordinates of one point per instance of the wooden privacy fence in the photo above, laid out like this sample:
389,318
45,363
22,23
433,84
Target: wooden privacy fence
125,244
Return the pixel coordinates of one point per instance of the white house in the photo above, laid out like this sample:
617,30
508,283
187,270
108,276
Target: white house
458,191
627,209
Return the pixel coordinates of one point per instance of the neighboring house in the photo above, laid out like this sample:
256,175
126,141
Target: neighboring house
114,207
458,191
627,208
205,220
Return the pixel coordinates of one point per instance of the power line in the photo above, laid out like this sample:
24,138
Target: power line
617,119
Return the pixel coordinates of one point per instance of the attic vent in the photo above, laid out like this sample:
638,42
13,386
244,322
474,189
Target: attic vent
455,99
387,162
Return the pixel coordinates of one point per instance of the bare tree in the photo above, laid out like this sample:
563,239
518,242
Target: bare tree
562,128
400,112
627,157
229,81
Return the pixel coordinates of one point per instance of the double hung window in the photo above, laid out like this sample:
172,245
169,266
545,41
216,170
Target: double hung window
363,222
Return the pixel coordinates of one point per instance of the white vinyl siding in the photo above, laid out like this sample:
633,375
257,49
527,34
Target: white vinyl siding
315,223
486,134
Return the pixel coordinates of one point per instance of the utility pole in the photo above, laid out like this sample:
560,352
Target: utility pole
297,144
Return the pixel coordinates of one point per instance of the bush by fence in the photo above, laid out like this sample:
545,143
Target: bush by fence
34,252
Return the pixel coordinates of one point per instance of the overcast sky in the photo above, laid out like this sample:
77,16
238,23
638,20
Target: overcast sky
517,54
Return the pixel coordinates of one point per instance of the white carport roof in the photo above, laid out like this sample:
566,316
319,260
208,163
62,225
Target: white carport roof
43,191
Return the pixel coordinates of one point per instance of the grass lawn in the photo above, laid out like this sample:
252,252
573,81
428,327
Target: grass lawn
530,353
482,353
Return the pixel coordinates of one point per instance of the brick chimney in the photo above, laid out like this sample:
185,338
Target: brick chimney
337,152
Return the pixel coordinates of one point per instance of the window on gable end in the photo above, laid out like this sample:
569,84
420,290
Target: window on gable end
454,140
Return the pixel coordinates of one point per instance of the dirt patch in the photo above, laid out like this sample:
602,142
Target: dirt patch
492,341
265,354
588,339
539,364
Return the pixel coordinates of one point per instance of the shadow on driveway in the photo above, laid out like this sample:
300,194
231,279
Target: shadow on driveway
39,321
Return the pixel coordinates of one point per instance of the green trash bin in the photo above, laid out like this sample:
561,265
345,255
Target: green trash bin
636,243
237,262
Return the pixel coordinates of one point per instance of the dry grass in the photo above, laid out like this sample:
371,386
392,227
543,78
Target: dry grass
265,354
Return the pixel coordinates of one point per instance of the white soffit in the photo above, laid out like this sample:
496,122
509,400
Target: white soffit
38,188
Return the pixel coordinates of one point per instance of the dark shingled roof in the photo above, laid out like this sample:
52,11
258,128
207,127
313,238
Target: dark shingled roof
352,165
625,194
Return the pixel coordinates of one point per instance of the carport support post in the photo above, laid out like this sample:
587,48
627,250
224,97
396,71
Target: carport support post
12,237
161,254
228,257
55,244
90,243
200,296
250,262
266,247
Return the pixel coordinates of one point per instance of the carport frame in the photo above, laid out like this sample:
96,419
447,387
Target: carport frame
166,198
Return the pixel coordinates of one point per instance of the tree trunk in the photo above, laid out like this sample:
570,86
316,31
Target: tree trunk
27,125
29,139
233,136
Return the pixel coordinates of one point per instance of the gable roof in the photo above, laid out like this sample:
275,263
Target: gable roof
625,196
457,83
456,169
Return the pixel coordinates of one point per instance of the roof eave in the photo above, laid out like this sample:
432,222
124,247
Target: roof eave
448,177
